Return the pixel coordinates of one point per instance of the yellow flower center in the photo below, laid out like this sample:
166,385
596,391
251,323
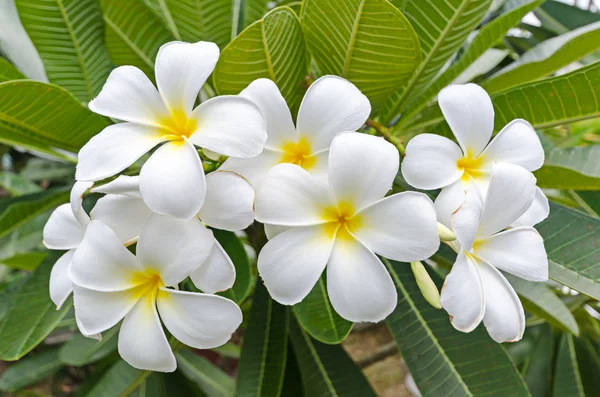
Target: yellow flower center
471,166
178,126
148,284
341,219
298,153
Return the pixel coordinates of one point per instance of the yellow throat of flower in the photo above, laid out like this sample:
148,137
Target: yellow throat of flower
470,165
341,219
299,153
178,126
148,284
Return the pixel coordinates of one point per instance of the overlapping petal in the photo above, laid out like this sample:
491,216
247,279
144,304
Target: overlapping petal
253,169
60,284
517,144
76,201
124,184
125,215
217,273
63,231
537,212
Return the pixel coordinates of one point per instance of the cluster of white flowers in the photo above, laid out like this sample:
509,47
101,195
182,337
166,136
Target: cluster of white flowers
320,192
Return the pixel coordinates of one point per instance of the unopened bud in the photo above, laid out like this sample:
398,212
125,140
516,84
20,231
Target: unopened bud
426,284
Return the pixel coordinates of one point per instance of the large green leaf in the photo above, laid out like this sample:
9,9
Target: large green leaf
442,360
68,35
32,315
571,168
264,353
30,370
589,201
15,212
567,378
9,72
273,48
487,36
81,350
243,269
119,381
211,379
316,315
442,28
326,369
45,117
546,58
369,42
537,369
562,18
17,185
133,33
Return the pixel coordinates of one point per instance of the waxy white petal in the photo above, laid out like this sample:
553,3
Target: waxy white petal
359,286
291,263
402,227
63,231
124,185
76,201
362,168
217,273
273,230
60,284
517,144
173,248
254,169
331,105
449,200
181,71
465,221
469,112
125,215
114,149
462,295
172,180
537,212
230,125
229,203
431,162
201,321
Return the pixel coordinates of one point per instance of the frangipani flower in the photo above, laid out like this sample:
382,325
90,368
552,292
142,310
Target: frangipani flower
331,105
112,284
67,224
343,225
172,179
475,290
434,162
229,205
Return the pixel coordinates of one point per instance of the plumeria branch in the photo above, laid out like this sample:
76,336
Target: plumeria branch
385,132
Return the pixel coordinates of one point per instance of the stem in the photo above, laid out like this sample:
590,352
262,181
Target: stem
385,132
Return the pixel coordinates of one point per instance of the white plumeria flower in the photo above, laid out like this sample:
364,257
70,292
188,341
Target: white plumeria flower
331,105
475,290
172,179
67,224
434,162
112,284
343,225
229,205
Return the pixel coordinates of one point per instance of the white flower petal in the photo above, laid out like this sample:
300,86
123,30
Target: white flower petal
229,203
201,321
320,168
431,162
273,230
114,149
124,184
462,294
537,212
63,231
469,111
518,251
449,200
230,125
173,248
290,196
504,316
125,215
362,168
359,286
402,227
181,70
142,341
101,262
280,126
217,273
76,201
466,220
172,181
254,169
60,284
517,144
510,194
331,105
129,95
291,263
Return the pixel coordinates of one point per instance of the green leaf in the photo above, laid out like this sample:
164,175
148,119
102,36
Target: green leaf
68,35
356,41
589,364
571,168
9,72
273,48
45,117
326,369
442,28
316,315
32,315
546,58
211,379
264,352
590,201
28,261
292,381
17,185
30,370
562,18
567,377
133,33
120,380
80,350
442,360
487,36
243,269
17,211
538,367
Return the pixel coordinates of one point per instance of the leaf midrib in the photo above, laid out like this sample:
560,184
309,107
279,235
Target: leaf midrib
319,363
350,49
126,40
